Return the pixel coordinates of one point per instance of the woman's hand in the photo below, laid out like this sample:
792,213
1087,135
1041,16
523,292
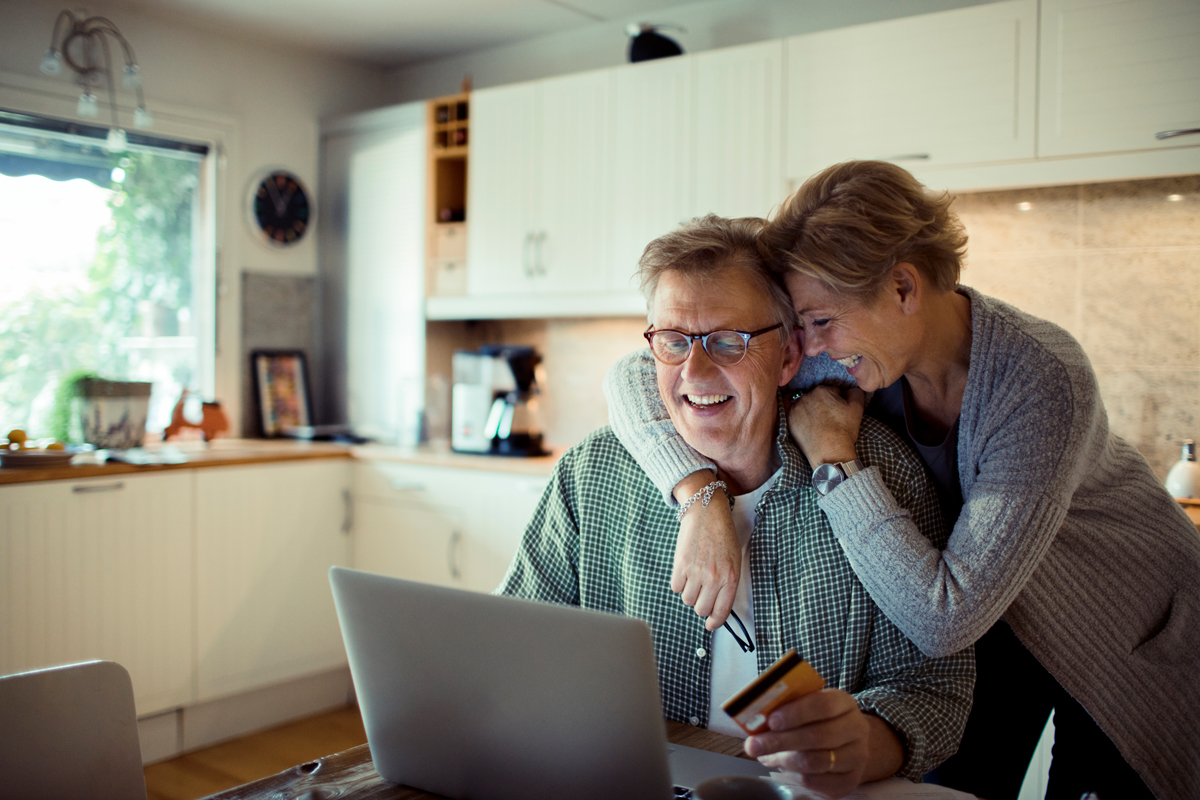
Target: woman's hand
827,739
708,558
824,423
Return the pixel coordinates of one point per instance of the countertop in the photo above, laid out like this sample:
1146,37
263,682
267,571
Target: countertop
231,452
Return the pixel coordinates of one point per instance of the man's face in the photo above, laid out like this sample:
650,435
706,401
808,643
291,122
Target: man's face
726,413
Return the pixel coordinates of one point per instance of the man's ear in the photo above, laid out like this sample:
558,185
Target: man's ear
907,287
793,354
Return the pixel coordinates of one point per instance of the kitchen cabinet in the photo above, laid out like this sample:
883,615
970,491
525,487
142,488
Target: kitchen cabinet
453,527
101,568
539,187
932,90
738,168
652,158
266,536
1115,74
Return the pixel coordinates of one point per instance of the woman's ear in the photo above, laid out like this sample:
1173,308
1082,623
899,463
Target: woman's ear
907,286
793,354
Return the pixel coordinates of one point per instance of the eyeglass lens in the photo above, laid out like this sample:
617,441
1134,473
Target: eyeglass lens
723,347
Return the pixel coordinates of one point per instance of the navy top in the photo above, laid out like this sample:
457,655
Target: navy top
893,406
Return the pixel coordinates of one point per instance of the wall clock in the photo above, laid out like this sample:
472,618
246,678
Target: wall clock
281,211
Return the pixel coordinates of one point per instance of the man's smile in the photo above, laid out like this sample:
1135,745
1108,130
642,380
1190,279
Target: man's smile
706,400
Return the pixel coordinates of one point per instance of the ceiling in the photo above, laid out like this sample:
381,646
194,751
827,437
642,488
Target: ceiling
392,33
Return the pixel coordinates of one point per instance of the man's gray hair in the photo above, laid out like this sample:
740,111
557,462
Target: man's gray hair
707,245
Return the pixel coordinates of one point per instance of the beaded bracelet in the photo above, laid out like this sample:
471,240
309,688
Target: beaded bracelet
704,496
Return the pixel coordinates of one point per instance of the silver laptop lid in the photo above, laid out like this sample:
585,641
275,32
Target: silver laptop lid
473,695
70,732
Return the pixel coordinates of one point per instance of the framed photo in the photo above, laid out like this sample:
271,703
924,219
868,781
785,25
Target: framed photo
281,389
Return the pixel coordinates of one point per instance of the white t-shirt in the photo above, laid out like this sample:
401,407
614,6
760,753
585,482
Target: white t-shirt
732,669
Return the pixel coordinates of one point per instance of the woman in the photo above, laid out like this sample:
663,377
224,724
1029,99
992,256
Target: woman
1076,573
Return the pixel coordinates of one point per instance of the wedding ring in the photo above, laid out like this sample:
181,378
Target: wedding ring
832,760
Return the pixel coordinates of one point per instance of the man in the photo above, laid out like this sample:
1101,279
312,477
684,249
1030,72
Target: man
601,538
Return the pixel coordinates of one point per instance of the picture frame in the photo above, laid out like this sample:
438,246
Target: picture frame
281,390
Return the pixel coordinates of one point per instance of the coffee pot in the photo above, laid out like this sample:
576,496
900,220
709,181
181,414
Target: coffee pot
494,401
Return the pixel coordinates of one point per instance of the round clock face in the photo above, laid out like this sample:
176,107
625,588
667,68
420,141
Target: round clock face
279,208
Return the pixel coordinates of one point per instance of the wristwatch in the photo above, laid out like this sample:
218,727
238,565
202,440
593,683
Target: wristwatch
827,477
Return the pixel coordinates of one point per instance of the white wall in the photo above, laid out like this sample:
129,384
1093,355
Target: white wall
263,100
710,24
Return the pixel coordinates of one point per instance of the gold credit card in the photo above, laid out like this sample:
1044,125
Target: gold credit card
789,678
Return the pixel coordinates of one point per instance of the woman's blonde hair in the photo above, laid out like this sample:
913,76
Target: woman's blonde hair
850,224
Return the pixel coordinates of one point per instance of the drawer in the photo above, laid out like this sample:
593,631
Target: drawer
450,241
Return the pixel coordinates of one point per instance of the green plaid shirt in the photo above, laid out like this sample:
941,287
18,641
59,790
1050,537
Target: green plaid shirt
603,539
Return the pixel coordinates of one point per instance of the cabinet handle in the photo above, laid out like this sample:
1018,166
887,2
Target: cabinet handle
909,157
540,263
347,512
452,554
107,487
1172,134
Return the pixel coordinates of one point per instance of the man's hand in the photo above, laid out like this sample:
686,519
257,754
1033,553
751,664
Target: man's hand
708,558
829,742
824,423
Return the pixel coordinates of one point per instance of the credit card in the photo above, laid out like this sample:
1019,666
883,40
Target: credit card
788,679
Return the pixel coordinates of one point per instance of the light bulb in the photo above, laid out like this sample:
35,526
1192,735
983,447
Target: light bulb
88,105
142,118
116,142
131,77
52,63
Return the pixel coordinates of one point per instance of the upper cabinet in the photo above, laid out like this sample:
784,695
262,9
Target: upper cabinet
539,184
739,102
948,88
1116,75
652,157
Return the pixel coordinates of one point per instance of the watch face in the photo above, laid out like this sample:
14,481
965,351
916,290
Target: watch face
280,208
826,477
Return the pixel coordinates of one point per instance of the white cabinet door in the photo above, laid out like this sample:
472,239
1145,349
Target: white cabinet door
573,220
501,189
453,527
101,568
265,540
738,160
1114,74
931,90
652,158
408,541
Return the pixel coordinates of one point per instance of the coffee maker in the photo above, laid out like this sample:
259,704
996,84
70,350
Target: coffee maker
493,406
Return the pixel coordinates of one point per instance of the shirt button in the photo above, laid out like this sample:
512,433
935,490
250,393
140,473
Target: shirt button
694,720
701,652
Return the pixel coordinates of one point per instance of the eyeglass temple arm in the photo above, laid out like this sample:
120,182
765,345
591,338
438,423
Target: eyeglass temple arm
748,645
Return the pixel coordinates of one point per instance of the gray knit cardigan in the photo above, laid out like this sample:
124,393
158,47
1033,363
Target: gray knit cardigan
1064,530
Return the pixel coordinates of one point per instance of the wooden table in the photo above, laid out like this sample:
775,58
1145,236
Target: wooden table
351,774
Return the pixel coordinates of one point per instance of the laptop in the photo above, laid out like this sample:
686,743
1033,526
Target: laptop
474,695
70,731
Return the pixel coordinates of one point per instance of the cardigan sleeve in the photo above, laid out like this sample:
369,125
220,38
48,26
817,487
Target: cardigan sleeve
1028,444
639,418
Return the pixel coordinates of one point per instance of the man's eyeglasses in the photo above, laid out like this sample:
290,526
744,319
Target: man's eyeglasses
748,645
725,348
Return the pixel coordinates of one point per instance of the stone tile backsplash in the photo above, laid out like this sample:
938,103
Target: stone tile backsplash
1116,264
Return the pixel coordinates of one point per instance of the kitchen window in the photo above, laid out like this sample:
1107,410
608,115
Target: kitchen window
101,269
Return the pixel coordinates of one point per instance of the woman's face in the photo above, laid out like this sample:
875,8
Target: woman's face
865,337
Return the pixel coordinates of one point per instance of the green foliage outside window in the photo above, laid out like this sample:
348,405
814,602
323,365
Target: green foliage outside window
136,286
